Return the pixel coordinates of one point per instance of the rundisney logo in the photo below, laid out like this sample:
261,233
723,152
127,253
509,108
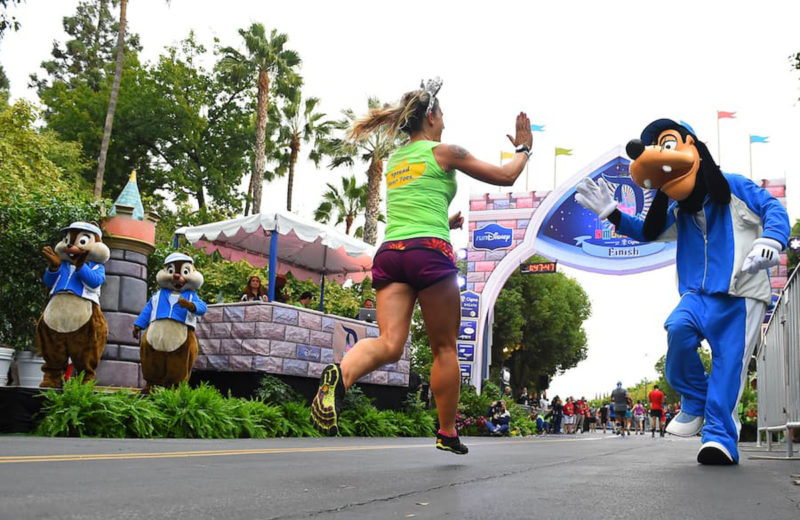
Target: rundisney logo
492,235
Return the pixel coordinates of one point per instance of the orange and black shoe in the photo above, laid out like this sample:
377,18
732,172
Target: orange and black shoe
329,400
450,443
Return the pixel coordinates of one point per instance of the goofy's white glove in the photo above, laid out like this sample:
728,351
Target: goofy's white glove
596,197
766,253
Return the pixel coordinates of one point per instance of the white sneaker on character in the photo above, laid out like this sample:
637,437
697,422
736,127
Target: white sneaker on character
685,425
715,454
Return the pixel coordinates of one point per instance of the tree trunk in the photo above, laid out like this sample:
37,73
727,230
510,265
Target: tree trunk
294,147
257,179
374,175
112,102
249,196
201,198
348,221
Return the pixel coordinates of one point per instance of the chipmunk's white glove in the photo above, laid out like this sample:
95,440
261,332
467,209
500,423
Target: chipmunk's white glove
596,197
766,253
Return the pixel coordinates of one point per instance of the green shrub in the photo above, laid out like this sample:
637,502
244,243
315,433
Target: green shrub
470,404
274,391
298,420
77,411
369,422
199,413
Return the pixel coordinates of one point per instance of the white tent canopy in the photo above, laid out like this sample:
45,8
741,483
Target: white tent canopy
305,247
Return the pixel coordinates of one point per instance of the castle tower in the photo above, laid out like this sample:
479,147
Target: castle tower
130,234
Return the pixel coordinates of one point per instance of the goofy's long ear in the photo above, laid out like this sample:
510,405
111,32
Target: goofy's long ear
656,217
718,188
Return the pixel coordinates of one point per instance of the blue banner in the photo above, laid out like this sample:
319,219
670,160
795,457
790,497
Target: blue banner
466,352
470,304
466,371
492,237
468,330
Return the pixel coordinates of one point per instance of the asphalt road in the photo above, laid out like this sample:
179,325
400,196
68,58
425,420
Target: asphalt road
591,476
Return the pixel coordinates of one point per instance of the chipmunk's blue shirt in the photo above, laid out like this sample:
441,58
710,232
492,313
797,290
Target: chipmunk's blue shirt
164,306
84,282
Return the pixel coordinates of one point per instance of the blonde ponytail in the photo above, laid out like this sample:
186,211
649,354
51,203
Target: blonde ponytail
406,116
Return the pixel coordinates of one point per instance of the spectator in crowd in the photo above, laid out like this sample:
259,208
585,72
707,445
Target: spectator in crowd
656,397
557,409
305,300
254,291
542,422
523,397
569,416
581,412
544,404
280,283
498,418
620,398
369,303
638,416
507,392
604,416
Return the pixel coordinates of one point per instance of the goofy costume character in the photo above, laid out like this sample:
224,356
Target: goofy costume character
729,233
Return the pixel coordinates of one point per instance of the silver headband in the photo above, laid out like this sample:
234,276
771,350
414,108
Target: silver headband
432,87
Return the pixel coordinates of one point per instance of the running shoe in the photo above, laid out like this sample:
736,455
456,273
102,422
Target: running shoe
451,444
329,400
714,454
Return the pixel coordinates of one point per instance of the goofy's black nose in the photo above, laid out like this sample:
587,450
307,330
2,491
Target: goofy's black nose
634,148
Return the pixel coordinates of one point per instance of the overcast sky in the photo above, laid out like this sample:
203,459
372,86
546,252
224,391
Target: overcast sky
594,73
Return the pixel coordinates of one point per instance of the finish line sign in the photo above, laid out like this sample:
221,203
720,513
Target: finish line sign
538,267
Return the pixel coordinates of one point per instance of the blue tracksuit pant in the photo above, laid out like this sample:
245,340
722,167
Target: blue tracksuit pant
732,327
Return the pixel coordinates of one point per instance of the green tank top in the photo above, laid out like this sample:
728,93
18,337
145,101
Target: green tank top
418,193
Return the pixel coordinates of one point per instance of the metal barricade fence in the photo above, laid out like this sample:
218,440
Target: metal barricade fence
778,367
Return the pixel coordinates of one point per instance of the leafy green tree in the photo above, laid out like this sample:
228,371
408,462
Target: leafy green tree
197,126
31,158
7,22
85,57
347,204
300,123
538,327
265,60
373,150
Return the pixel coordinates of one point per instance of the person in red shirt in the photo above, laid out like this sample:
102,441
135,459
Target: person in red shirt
656,397
569,416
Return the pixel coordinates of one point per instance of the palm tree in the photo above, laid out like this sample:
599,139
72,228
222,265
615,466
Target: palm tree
266,60
301,124
112,102
373,150
347,203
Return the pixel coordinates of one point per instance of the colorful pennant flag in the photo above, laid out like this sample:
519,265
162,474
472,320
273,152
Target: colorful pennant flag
759,139
506,155
537,128
563,151
725,115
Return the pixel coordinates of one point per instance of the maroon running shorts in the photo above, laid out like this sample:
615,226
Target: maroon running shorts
418,262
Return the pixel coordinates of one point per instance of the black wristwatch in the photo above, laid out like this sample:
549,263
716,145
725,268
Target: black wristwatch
523,148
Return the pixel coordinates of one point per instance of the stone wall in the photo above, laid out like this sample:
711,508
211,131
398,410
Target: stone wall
279,339
122,298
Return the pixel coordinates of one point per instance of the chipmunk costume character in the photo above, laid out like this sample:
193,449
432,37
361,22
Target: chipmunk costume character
729,233
72,325
169,345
